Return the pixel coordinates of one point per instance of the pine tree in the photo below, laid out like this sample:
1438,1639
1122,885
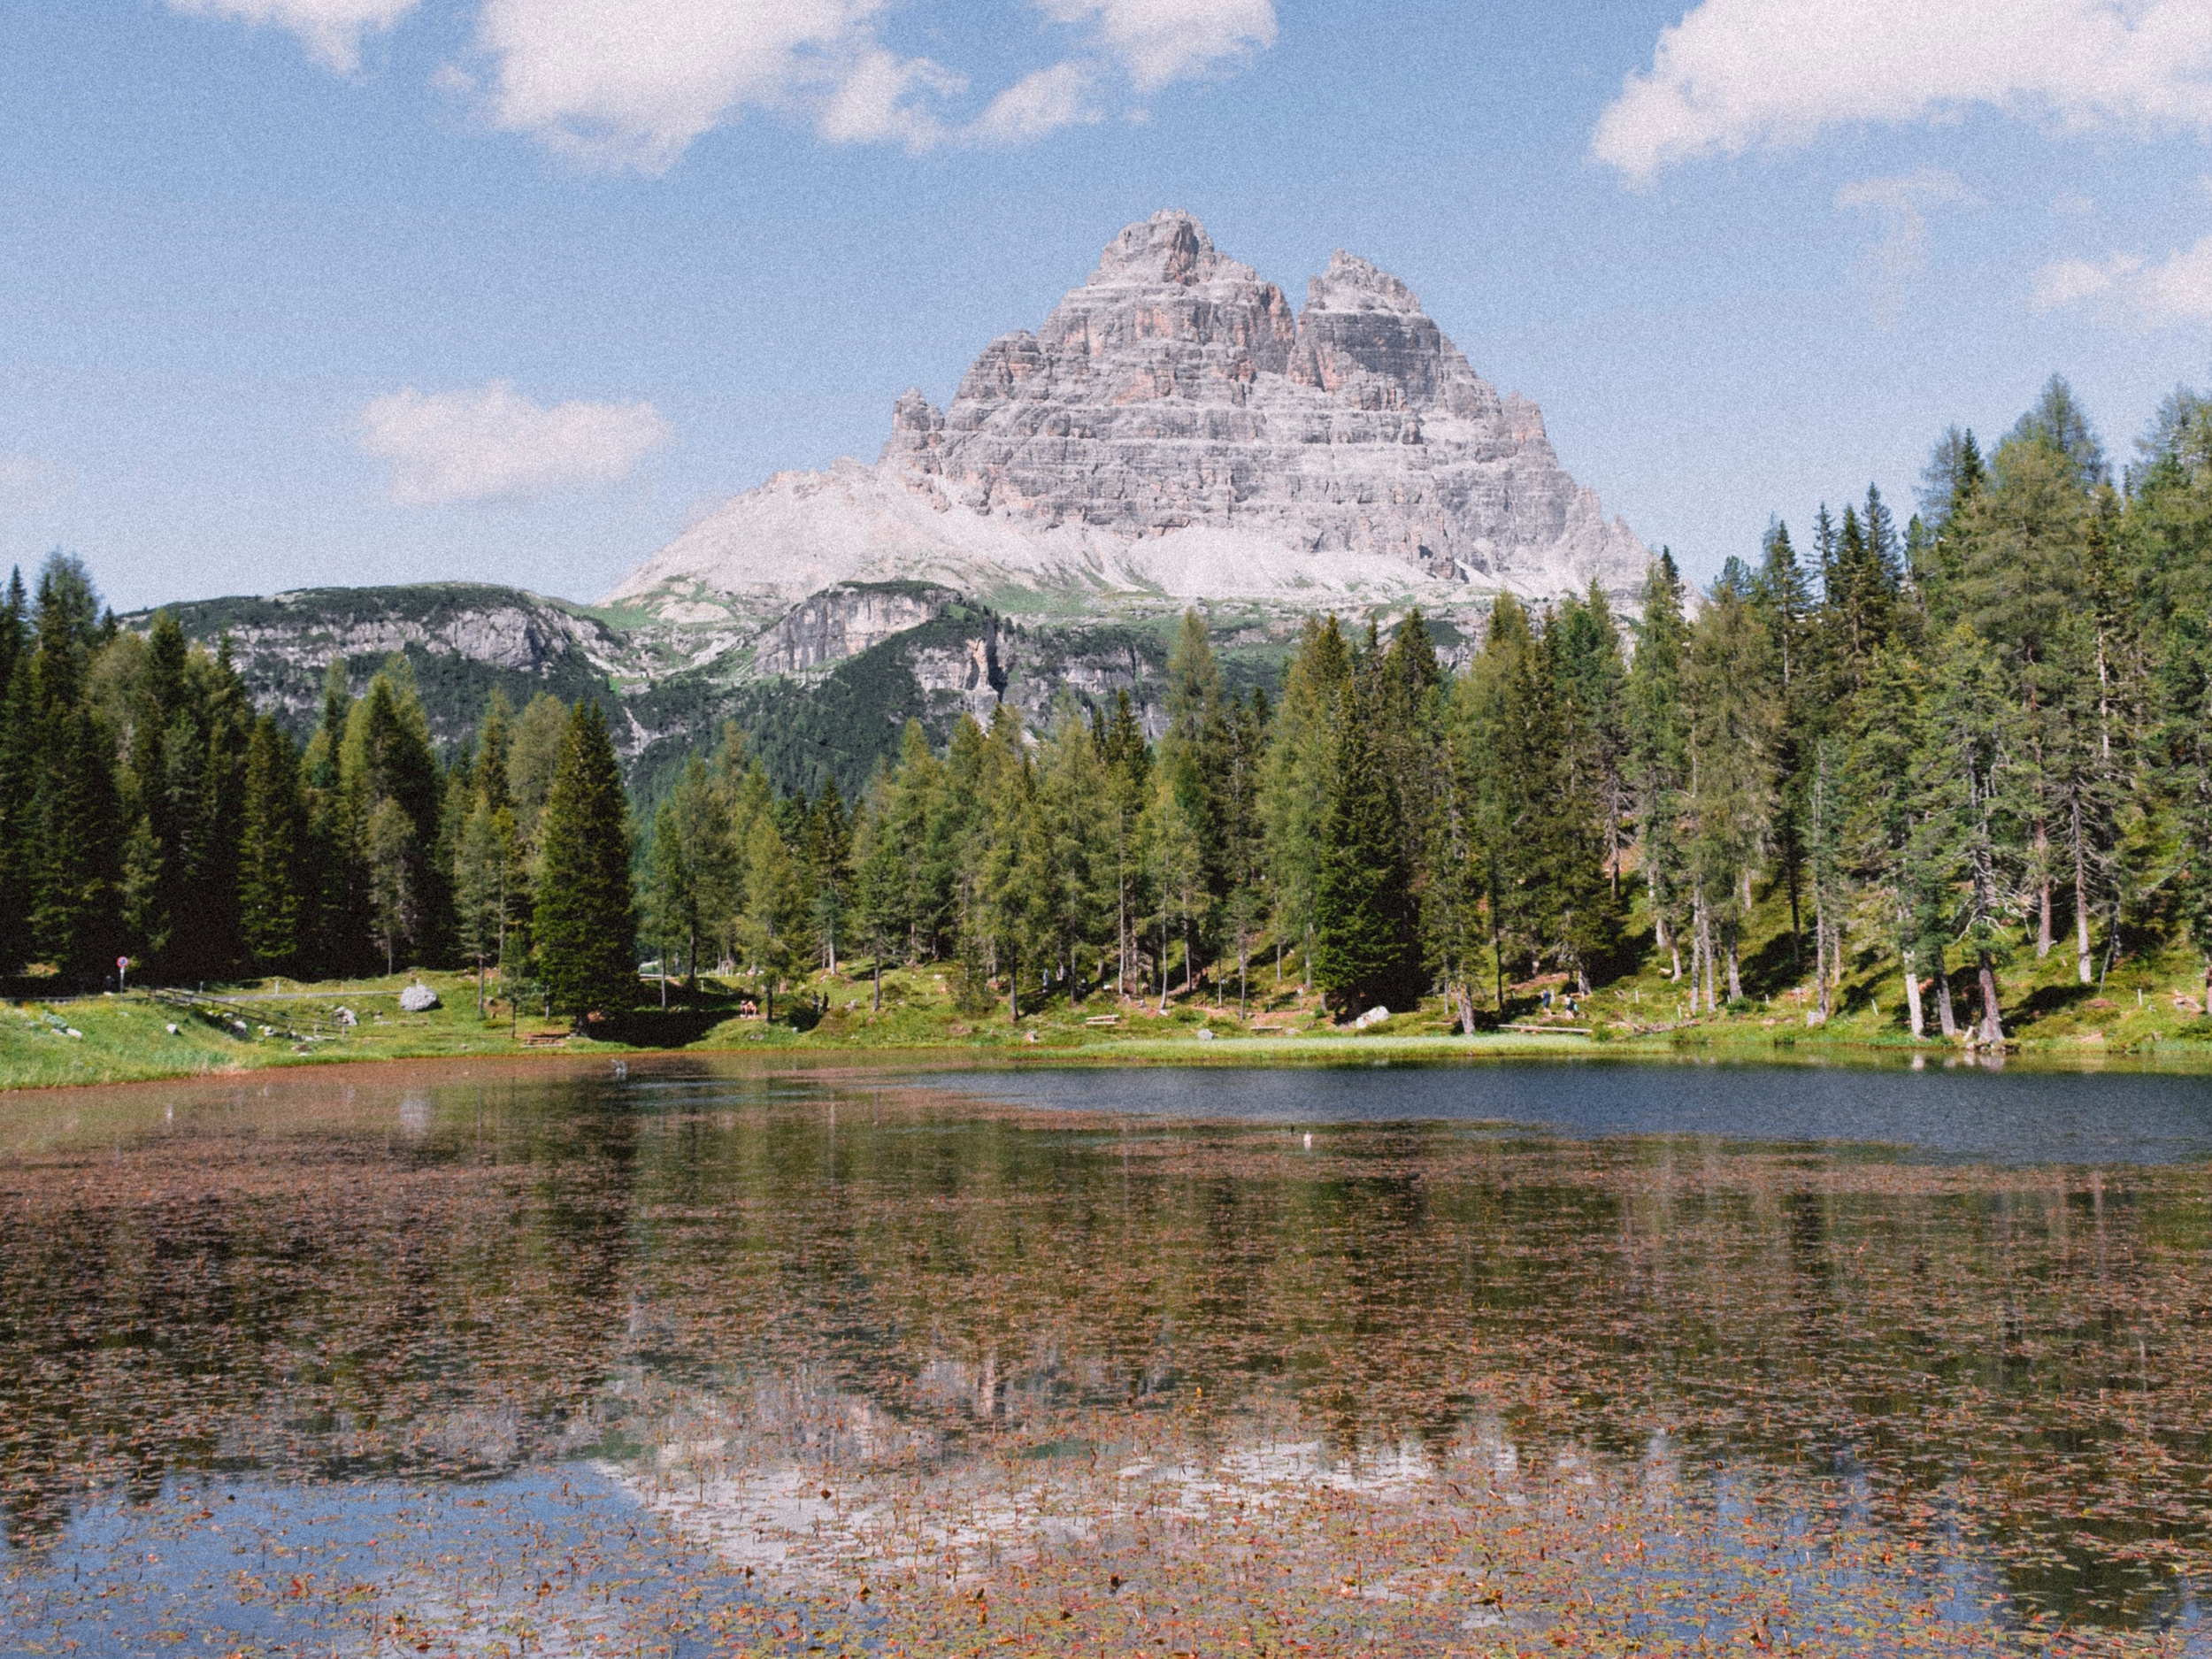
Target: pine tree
879,878
1733,725
271,844
1295,781
20,761
1367,945
1782,598
1656,719
1968,776
692,876
76,922
587,918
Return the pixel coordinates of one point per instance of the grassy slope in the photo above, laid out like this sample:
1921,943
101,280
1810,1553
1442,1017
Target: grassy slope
2147,1006
125,1039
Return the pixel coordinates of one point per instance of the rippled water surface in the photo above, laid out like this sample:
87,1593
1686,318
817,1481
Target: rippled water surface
1591,1358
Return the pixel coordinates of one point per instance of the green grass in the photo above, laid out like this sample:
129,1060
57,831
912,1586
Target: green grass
2144,1008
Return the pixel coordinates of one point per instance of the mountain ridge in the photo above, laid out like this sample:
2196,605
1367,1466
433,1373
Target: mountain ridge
1172,433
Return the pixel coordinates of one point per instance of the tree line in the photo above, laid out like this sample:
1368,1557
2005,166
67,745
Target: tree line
1939,747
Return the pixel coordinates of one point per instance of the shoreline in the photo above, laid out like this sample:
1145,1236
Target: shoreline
999,1051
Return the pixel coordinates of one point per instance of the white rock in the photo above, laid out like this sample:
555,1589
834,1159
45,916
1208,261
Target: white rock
1172,429
418,999
1373,1017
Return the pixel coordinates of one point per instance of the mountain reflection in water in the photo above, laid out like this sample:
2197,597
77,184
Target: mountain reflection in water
1081,1376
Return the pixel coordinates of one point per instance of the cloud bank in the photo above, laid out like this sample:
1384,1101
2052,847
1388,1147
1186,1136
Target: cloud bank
633,83
2160,293
494,444
1737,75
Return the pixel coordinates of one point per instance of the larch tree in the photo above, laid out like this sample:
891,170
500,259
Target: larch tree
587,916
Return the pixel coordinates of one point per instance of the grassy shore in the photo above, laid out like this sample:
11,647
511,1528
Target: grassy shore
2144,1010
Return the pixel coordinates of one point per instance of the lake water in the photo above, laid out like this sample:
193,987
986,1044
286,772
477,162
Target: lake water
704,1359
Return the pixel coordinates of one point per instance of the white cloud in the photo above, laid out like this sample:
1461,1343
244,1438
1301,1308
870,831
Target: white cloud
874,102
332,29
1163,41
1734,75
1903,201
1039,103
632,82
494,444
2174,290
31,483
2074,204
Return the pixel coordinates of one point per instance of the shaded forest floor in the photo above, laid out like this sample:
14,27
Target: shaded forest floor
2147,1006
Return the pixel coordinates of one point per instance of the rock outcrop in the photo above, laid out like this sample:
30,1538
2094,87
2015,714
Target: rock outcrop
1173,430
825,628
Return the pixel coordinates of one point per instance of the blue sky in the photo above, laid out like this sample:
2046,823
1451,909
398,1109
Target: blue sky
318,291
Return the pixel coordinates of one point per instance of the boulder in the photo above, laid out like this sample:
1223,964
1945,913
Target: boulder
418,999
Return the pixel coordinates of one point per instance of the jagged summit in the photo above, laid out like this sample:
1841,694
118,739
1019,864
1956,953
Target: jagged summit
1172,430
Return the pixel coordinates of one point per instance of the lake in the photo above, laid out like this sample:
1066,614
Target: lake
697,1358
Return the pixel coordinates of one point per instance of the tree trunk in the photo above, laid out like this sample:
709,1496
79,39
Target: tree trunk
1913,1015
1735,979
2081,899
2043,891
1467,1005
1164,959
1013,996
1121,935
1993,1021
877,1008
1705,950
1946,1016
1820,966
1790,872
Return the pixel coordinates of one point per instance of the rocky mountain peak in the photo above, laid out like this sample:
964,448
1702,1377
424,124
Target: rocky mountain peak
1171,426
1354,284
1171,246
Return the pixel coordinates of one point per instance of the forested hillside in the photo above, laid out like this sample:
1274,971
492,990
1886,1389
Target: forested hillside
1975,740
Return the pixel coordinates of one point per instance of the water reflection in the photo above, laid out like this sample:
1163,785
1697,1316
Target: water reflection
1406,1384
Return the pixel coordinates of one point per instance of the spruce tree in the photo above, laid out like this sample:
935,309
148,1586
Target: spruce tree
1656,722
1367,946
1294,785
587,918
272,839
19,765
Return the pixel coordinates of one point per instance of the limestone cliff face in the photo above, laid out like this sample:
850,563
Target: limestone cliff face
842,621
1174,429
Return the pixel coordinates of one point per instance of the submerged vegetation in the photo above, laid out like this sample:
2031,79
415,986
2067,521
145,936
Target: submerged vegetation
897,1371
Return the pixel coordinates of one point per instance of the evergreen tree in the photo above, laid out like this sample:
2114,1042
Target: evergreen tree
1295,781
1367,945
693,874
1734,725
272,881
1967,773
829,876
1782,597
587,920
1655,716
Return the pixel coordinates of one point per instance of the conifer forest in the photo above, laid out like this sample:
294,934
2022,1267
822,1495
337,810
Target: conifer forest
1981,733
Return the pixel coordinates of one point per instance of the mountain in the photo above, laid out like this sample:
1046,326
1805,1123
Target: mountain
1171,434
1174,434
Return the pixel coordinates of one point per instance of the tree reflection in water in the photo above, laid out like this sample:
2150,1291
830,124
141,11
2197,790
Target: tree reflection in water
1090,1381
